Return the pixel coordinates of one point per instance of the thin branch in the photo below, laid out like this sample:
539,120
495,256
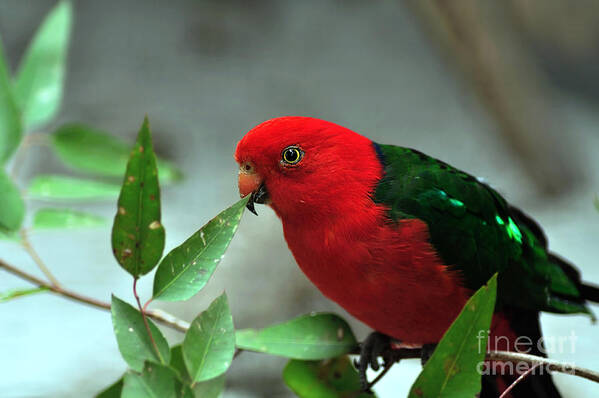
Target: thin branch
404,353
145,319
36,258
168,320
158,315
551,364
518,380
515,357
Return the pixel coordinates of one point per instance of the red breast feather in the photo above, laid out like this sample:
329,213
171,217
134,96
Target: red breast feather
384,273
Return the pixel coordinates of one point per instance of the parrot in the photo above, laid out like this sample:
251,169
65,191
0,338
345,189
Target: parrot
402,240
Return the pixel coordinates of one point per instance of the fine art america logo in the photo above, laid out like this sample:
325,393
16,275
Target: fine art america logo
544,346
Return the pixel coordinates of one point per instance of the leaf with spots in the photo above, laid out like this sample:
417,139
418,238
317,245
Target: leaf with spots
39,82
331,378
209,343
137,234
452,370
186,269
132,337
313,336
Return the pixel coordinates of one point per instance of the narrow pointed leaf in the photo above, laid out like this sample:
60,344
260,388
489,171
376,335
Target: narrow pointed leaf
39,81
137,234
209,343
212,388
186,269
316,336
113,391
452,369
155,381
12,294
12,207
334,378
57,187
85,149
48,218
10,120
132,337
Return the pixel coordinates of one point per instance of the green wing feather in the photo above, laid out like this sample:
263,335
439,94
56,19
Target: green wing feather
476,232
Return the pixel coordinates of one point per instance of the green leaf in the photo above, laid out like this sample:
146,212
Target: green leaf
39,82
187,268
331,378
10,120
452,369
177,363
47,218
209,343
132,337
155,381
69,188
13,236
212,388
113,391
137,234
314,336
85,149
596,202
12,207
12,294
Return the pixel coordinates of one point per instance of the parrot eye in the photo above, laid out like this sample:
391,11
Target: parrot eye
292,155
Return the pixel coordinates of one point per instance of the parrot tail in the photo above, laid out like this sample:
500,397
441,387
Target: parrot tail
589,292
524,325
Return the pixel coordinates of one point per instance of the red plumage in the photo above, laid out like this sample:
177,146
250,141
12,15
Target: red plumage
385,274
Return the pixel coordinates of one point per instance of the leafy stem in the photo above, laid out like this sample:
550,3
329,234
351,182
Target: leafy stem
182,326
145,319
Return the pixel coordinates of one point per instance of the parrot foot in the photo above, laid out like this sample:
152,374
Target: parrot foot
375,345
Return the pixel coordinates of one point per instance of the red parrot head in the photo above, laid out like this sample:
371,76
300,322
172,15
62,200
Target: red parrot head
304,167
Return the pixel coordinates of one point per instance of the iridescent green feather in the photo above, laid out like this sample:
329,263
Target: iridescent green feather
476,232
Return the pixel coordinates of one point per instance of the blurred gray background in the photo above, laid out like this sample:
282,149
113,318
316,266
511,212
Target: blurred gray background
508,93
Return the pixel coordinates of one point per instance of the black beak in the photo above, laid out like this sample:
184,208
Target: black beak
258,196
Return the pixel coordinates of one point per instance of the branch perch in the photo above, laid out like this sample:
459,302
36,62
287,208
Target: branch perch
158,315
404,353
515,357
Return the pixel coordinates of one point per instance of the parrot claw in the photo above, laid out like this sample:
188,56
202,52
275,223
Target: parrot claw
375,345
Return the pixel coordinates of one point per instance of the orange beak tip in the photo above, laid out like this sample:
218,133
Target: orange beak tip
248,183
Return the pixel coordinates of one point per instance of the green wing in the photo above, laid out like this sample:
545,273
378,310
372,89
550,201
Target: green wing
476,232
